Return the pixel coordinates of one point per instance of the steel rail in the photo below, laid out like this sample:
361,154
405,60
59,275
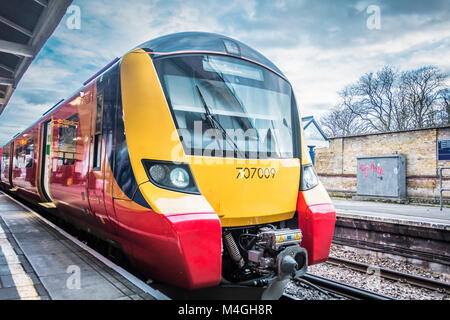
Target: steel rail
394,250
343,289
390,274
287,296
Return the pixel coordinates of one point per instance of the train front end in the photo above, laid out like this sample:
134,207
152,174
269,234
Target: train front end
215,131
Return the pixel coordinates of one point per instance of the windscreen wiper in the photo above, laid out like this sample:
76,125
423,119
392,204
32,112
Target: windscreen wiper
241,105
216,124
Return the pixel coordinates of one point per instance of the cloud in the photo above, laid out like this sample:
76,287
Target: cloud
19,118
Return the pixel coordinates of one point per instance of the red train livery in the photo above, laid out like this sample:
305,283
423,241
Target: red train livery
187,154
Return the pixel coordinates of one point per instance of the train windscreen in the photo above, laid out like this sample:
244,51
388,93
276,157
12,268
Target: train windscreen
228,107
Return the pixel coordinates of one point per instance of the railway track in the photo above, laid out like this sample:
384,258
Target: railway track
334,288
394,275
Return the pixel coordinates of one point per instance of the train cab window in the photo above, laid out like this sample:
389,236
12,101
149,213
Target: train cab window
67,143
249,104
96,161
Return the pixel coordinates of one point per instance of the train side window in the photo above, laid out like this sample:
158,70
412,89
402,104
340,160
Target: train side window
2,162
67,143
29,153
97,154
5,158
19,158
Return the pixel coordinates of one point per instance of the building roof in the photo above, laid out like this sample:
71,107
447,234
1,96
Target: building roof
307,121
25,26
391,132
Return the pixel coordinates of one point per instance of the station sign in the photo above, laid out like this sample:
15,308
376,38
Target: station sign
443,150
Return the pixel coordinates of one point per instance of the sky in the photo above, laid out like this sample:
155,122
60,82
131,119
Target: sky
321,46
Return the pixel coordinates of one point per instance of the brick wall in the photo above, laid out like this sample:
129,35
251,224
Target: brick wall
336,165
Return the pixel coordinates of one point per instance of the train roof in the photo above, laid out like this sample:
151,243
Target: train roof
205,41
63,101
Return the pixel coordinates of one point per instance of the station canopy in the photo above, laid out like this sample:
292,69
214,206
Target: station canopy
25,26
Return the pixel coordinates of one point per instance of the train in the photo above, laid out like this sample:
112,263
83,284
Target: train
188,155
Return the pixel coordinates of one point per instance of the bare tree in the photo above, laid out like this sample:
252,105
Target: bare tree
444,107
374,100
402,112
341,121
421,89
389,100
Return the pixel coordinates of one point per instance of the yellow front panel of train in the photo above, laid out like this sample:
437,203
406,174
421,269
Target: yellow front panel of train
247,192
241,192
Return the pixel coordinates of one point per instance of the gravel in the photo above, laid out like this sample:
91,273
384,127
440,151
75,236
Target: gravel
373,258
374,283
304,292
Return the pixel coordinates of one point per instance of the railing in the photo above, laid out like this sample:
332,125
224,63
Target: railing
440,185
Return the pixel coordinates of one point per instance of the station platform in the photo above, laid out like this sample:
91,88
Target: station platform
414,215
420,233
40,261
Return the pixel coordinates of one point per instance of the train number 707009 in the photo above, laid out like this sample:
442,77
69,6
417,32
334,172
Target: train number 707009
253,173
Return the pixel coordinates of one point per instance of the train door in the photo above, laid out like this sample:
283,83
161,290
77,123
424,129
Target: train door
5,164
96,167
2,165
46,159
10,166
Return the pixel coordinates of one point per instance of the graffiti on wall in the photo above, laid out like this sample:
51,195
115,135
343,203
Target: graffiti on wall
373,168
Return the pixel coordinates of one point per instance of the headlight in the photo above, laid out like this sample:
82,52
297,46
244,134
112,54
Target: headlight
179,177
158,172
309,178
171,176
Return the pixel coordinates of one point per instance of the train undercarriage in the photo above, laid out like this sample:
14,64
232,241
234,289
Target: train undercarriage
263,256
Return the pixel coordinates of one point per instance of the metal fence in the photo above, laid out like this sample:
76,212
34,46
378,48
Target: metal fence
441,189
